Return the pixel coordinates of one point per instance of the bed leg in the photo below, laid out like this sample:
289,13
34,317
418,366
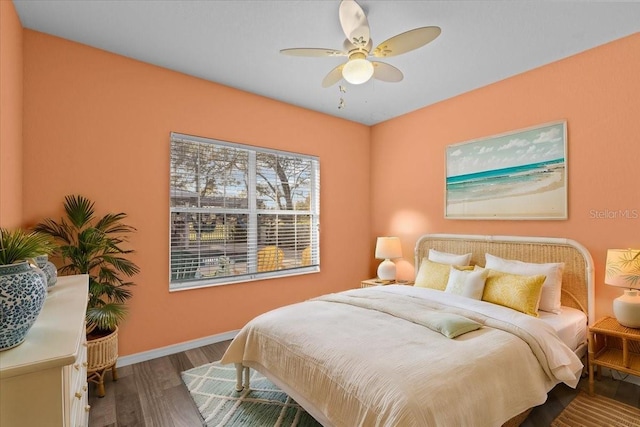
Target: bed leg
246,377
239,370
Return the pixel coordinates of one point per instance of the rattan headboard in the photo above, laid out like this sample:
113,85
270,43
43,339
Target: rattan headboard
577,280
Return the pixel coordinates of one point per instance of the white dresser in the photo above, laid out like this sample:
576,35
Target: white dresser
43,381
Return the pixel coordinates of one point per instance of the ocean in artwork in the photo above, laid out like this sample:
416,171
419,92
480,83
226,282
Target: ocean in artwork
507,182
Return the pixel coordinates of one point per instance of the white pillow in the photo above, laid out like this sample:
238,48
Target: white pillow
446,258
551,288
468,283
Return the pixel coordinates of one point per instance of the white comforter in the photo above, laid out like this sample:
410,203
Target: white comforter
360,360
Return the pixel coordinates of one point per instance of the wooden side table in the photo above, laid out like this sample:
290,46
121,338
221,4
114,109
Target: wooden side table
613,346
379,282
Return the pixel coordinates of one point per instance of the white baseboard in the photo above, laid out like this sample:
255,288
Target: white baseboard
175,348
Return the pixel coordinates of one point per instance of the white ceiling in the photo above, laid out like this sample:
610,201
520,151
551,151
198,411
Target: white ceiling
237,43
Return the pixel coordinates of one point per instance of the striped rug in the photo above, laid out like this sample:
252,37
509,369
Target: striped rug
597,411
212,388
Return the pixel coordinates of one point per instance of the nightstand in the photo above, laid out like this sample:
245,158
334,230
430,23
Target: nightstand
379,282
613,346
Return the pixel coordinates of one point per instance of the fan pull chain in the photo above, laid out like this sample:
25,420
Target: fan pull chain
341,104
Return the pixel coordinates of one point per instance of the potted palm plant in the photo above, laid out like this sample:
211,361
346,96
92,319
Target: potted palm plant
95,246
23,287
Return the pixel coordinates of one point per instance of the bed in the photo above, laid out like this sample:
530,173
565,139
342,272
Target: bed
392,356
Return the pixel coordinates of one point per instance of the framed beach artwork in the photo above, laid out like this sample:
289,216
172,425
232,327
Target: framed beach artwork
515,175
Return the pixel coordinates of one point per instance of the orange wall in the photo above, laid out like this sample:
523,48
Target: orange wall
597,92
10,116
98,124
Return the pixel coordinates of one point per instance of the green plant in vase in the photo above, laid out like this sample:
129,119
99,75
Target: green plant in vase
19,245
95,246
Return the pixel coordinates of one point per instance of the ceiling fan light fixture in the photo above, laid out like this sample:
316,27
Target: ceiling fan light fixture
357,71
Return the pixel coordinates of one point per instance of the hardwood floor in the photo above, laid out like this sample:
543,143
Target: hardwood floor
152,394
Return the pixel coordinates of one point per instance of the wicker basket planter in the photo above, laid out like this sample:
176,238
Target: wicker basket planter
102,354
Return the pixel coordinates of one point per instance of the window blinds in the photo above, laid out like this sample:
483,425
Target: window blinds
240,213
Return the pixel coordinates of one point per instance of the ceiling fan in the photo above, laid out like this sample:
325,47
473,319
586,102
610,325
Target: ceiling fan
357,47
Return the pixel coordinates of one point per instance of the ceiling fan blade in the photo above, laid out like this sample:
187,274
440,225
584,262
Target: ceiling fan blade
354,23
386,73
406,42
312,51
333,77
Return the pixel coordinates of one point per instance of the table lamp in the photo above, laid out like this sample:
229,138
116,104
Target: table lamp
623,270
388,248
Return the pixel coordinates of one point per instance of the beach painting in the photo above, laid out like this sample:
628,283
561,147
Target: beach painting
516,175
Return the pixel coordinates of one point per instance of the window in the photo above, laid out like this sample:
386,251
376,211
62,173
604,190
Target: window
240,213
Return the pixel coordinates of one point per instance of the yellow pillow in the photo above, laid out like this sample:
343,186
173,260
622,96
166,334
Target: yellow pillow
435,275
515,291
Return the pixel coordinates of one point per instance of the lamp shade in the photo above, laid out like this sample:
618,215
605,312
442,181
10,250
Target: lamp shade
388,248
623,268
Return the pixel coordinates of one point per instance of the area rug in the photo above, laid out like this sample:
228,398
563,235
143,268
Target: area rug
212,388
597,411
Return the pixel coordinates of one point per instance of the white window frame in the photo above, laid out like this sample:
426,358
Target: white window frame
252,224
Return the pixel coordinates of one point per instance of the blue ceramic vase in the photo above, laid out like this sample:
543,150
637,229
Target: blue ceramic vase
48,268
23,290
